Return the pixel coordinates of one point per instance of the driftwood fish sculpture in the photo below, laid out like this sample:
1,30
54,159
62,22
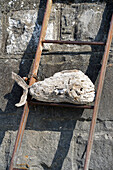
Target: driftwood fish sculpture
70,86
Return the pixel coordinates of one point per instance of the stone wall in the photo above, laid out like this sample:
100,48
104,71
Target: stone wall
55,138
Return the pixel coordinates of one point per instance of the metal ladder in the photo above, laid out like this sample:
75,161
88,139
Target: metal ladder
33,80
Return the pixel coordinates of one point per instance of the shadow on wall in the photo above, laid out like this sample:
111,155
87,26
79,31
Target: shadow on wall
94,67
71,116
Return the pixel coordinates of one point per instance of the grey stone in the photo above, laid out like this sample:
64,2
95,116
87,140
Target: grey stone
21,26
101,152
14,5
24,30
7,87
80,22
0,29
55,138
105,111
61,150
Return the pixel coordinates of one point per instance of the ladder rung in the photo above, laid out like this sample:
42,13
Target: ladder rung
20,168
73,42
62,105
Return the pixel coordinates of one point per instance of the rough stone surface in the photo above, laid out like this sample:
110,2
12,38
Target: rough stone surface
55,138
71,86
24,30
79,18
0,31
20,31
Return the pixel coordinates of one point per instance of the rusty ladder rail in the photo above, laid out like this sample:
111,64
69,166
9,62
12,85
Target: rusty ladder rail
32,80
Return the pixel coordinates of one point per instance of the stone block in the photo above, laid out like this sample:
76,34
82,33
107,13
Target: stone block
24,31
0,31
106,107
101,151
8,90
4,149
84,22
14,5
86,61
61,149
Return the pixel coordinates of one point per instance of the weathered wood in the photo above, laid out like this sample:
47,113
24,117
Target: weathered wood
71,86
25,87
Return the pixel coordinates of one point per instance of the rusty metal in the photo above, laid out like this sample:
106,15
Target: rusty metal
20,134
98,96
42,37
32,80
73,42
23,164
20,168
61,105
25,78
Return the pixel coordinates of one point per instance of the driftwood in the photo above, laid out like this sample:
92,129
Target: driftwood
71,86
